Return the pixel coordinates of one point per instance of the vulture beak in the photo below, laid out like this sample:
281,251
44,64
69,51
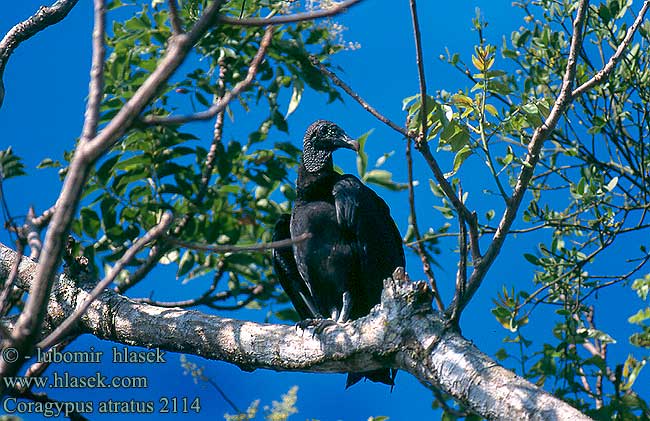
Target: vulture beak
351,143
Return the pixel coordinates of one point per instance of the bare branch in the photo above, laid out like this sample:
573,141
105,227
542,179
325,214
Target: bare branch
228,96
32,232
239,249
448,190
96,87
44,17
423,84
64,328
461,274
338,82
418,246
528,167
604,73
298,17
155,254
44,219
174,17
9,281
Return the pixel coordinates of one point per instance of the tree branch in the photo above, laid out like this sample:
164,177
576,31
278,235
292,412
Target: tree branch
44,17
418,246
402,332
298,17
618,54
338,82
228,96
422,138
174,17
239,249
96,87
528,167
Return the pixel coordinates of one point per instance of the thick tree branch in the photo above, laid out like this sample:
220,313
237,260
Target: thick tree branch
403,332
44,17
298,17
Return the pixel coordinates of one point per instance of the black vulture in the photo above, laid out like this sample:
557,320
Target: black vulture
336,274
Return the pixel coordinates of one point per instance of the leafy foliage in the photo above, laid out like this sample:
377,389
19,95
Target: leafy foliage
590,193
229,189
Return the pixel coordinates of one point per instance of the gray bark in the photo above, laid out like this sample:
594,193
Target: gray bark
402,332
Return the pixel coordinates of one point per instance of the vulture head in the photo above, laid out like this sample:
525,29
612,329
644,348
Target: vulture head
321,139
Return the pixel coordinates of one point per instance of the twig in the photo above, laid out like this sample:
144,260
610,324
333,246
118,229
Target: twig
422,145
528,167
228,96
32,232
9,282
239,249
254,292
110,276
155,253
461,274
174,17
44,219
338,82
298,17
423,84
221,267
419,247
96,87
461,209
44,17
614,59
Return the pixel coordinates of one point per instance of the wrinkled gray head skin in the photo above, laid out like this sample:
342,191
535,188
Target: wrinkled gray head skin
321,139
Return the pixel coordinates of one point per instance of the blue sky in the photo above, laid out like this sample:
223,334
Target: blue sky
46,83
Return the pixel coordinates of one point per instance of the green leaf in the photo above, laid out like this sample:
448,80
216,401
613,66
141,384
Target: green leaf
362,156
90,222
501,354
10,165
383,178
532,259
640,317
455,135
460,157
48,163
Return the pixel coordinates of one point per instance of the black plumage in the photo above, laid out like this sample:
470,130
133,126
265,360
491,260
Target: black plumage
338,272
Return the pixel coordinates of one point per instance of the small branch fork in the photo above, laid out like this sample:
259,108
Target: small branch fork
223,102
469,233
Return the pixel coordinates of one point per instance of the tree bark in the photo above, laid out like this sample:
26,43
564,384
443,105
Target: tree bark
402,332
